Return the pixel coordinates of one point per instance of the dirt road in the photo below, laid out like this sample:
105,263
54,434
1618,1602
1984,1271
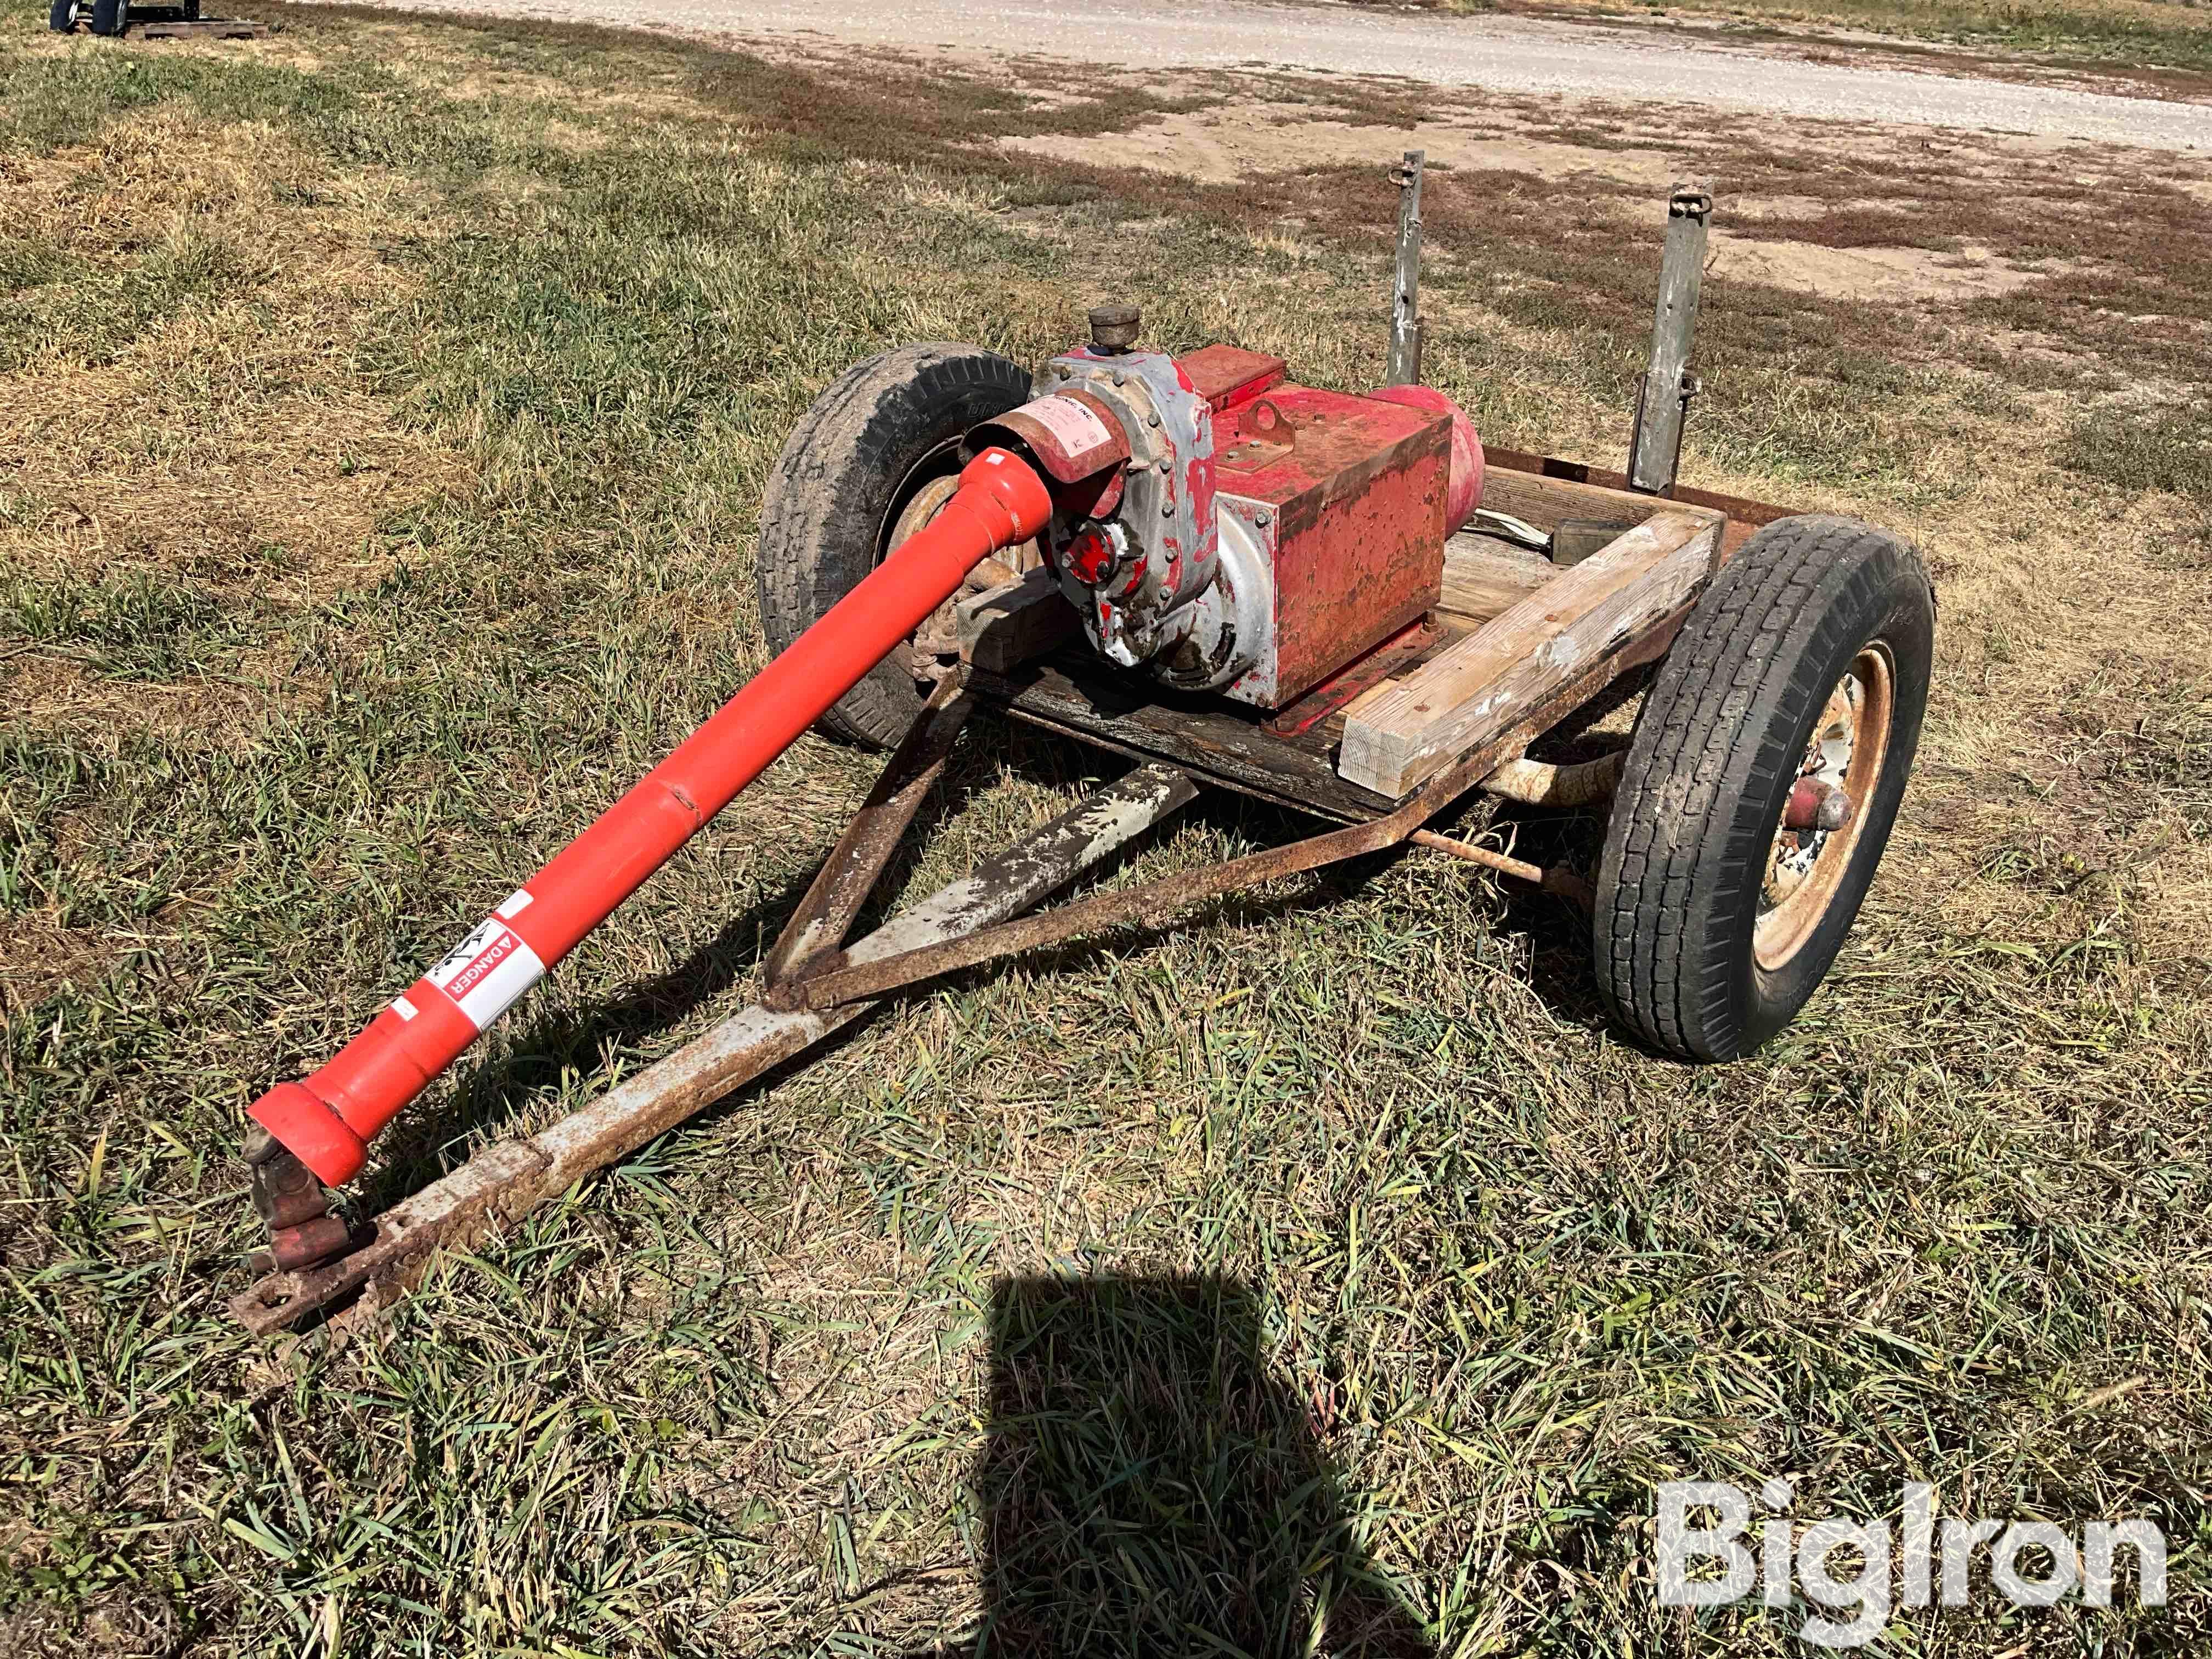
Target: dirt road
1508,54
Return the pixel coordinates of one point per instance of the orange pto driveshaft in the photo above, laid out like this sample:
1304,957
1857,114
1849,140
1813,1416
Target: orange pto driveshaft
327,1119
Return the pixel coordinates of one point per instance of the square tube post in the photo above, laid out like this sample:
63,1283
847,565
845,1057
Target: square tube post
1655,453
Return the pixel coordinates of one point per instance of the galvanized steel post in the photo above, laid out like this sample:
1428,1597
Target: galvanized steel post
1655,452
1405,367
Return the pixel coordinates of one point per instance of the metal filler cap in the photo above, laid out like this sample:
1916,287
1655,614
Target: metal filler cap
1114,327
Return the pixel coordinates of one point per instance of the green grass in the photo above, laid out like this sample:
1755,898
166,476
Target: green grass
1323,1274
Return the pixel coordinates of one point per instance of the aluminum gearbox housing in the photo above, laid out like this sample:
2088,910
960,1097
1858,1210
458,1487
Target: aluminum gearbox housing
1232,532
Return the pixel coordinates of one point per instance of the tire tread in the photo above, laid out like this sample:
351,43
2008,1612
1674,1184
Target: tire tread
820,516
1704,760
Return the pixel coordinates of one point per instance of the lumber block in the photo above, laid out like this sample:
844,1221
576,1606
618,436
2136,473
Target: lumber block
1544,501
1484,576
1008,624
1409,729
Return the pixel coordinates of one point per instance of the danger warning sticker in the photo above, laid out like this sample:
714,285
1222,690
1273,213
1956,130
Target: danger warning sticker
487,971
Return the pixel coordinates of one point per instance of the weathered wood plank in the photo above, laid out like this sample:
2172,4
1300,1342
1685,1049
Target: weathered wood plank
1400,734
1745,516
1485,577
1740,508
1544,501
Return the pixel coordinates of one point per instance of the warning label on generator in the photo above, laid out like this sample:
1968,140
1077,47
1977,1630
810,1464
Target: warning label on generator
487,971
1078,429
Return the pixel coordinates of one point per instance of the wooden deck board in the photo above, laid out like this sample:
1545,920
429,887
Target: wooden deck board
1412,727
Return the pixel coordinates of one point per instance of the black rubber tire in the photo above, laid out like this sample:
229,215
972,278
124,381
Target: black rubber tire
61,17
1711,764
110,16
851,462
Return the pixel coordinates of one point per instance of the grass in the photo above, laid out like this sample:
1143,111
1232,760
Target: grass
2132,38
386,410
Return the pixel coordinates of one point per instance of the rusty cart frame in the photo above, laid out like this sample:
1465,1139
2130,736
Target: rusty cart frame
1518,647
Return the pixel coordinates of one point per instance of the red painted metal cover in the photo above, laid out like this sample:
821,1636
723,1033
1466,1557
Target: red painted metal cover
1355,490
1226,375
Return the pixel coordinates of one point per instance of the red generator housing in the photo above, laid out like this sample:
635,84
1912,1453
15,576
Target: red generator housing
1346,497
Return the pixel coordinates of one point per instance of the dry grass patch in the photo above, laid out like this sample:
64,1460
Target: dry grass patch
191,436
2139,48
1327,1258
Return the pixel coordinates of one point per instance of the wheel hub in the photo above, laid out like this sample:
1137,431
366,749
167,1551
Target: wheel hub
1821,816
938,637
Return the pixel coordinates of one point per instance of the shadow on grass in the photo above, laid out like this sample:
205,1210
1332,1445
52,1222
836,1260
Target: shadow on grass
1149,1486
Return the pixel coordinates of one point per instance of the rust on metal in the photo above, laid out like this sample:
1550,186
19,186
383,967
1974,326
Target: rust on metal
1227,375
1075,433
293,1206
1406,323
1394,653
284,1191
292,1248
1553,878
1349,492
1818,831
1154,901
1564,785
1073,695
1011,881
856,863
964,926
508,1180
